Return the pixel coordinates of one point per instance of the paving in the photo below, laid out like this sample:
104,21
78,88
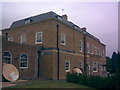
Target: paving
18,82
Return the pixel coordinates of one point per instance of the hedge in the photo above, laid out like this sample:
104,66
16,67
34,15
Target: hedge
95,81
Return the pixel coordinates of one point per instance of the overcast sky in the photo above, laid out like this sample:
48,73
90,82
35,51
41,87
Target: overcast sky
100,18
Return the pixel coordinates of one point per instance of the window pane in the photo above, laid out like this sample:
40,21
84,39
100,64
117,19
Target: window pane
80,64
10,39
23,39
94,66
24,61
38,37
67,67
27,21
63,39
80,45
7,57
88,48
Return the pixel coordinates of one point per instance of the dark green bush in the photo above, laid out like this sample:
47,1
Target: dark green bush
95,81
72,78
83,79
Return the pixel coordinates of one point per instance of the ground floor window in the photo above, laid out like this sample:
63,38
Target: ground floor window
100,67
104,68
88,69
94,66
10,38
67,66
24,61
7,57
80,65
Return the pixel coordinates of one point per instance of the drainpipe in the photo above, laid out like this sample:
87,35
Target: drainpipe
40,49
85,60
58,59
39,52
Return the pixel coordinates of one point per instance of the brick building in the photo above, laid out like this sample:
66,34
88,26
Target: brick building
48,46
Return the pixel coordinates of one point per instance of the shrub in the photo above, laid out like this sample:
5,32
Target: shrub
83,79
95,81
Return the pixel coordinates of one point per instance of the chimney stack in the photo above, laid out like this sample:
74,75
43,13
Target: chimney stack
65,16
84,28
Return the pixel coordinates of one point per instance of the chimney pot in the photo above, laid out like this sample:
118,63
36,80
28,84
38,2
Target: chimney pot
65,16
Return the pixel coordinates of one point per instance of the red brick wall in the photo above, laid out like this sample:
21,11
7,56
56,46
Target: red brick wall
49,62
16,50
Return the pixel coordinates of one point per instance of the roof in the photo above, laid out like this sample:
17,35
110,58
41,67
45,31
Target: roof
34,19
46,16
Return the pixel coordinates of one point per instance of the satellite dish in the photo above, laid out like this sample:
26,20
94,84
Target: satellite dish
10,72
77,70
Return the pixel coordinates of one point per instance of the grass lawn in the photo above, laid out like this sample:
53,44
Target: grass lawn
50,84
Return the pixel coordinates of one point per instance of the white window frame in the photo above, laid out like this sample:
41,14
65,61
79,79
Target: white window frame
101,67
63,39
8,57
10,38
91,48
95,66
27,21
40,37
23,39
89,69
98,51
67,68
60,18
80,45
103,53
95,50
24,58
88,48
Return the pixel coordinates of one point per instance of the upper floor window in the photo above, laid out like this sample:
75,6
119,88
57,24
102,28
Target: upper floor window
88,48
95,50
75,27
27,21
38,37
59,17
103,53
23,61
7,57
80,46
92,49
67,66
94,66
63,39
99,53
23,39
10,38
